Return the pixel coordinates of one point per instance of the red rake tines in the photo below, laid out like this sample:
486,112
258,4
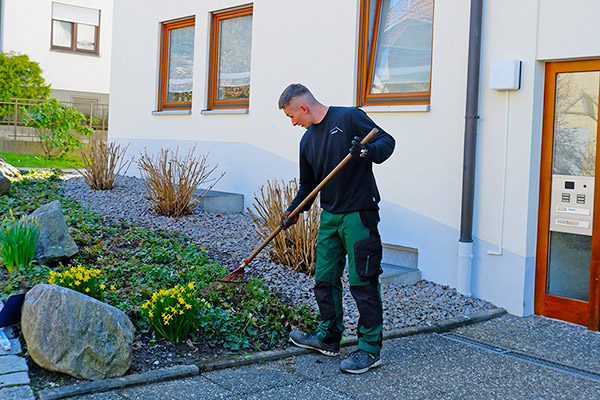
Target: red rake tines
237,276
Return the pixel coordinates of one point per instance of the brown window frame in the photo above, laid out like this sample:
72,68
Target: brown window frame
166,28
213,73
73,48
365,65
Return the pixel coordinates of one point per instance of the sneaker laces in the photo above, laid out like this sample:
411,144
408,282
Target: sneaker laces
359,354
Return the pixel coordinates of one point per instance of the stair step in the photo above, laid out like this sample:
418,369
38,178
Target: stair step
399,274
220,202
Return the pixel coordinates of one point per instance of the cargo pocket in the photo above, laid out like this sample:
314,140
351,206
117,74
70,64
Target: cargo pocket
367,258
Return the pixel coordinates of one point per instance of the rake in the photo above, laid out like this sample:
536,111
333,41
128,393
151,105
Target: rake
238,275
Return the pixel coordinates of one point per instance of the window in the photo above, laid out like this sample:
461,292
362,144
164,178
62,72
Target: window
394,62
176,65
229,73
75,28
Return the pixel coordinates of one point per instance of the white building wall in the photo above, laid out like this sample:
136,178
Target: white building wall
421,183
27,29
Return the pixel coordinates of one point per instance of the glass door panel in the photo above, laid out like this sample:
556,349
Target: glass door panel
573,159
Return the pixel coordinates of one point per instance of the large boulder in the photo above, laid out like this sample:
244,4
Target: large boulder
55,243
8,170
4,185
69,332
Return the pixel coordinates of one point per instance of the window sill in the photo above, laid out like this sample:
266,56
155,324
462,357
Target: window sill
172,112
225,111
405,108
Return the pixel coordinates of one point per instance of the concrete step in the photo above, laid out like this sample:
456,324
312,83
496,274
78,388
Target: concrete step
400,265
399,275
220,202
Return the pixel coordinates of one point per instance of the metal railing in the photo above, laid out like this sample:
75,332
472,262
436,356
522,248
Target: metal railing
13,112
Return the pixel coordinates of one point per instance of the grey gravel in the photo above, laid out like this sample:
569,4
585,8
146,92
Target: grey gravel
230,238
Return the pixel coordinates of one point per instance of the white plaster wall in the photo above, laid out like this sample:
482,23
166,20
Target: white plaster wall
27,29
568,29
277,60
507,35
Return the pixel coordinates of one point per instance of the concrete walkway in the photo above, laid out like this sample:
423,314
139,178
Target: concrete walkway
506,357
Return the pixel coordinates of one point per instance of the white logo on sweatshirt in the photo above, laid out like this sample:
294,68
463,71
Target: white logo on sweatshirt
335,130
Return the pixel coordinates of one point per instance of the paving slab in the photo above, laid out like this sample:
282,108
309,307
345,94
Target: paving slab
544,337
17,393
254,378
17,378
12,363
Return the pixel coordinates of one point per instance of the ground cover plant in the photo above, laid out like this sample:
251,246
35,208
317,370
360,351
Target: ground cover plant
130,264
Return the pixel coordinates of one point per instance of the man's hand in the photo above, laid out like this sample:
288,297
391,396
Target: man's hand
286,221
359,150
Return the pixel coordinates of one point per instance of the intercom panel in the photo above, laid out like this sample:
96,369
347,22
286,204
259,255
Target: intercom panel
572,204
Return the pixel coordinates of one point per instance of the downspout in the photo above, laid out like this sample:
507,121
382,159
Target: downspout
465,243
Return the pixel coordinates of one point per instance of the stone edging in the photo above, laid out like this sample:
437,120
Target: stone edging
182,371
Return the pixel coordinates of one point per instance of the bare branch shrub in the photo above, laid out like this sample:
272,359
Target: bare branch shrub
170,182
103,163
295,247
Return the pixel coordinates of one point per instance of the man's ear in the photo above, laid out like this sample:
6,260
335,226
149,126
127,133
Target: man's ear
304,108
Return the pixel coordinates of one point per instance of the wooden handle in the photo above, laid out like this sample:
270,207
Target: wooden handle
308,198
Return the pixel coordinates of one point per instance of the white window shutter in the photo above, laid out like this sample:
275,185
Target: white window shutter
79,15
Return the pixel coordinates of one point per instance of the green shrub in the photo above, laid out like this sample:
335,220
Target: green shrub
18,238
20,78
57,126
171,313
80,279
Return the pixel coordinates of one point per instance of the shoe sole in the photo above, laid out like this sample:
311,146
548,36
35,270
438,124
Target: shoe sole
322,351
362,370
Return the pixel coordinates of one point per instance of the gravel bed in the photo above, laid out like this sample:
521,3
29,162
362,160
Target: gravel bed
230,238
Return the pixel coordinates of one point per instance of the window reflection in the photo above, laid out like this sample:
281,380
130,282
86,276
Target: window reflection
234,58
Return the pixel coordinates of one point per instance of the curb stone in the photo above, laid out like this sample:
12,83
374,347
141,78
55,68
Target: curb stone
182,371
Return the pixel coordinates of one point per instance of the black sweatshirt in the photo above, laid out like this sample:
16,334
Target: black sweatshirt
324,146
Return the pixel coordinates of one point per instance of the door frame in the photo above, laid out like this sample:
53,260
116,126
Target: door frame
575,311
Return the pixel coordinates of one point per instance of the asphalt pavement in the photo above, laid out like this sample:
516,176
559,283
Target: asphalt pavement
498,356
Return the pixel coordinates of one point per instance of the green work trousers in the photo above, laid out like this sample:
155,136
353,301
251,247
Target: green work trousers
341,235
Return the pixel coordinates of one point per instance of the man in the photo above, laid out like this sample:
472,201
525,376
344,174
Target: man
348,222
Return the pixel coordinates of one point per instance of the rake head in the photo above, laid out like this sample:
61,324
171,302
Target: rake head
237,276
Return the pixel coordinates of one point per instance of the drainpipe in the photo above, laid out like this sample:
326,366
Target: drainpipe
465,243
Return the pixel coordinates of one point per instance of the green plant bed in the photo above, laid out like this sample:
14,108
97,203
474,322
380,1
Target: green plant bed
40,161
134,262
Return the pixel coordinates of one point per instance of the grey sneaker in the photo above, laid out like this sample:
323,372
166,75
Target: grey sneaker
360,361
311,341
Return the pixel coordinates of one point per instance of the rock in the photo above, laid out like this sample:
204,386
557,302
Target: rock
55,243
4,185
69,332
8,170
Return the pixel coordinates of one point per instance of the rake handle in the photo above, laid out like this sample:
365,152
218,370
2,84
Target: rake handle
308,198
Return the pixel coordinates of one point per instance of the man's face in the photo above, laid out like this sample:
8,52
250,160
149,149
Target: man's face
298,113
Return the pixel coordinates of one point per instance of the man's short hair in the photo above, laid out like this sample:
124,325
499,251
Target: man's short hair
291,92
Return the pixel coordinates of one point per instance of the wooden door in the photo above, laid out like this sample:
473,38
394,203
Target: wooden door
568,243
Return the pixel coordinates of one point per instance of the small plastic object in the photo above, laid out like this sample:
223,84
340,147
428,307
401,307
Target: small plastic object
4,342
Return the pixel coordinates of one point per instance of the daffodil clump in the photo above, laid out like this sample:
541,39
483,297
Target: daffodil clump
81,279
171,313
